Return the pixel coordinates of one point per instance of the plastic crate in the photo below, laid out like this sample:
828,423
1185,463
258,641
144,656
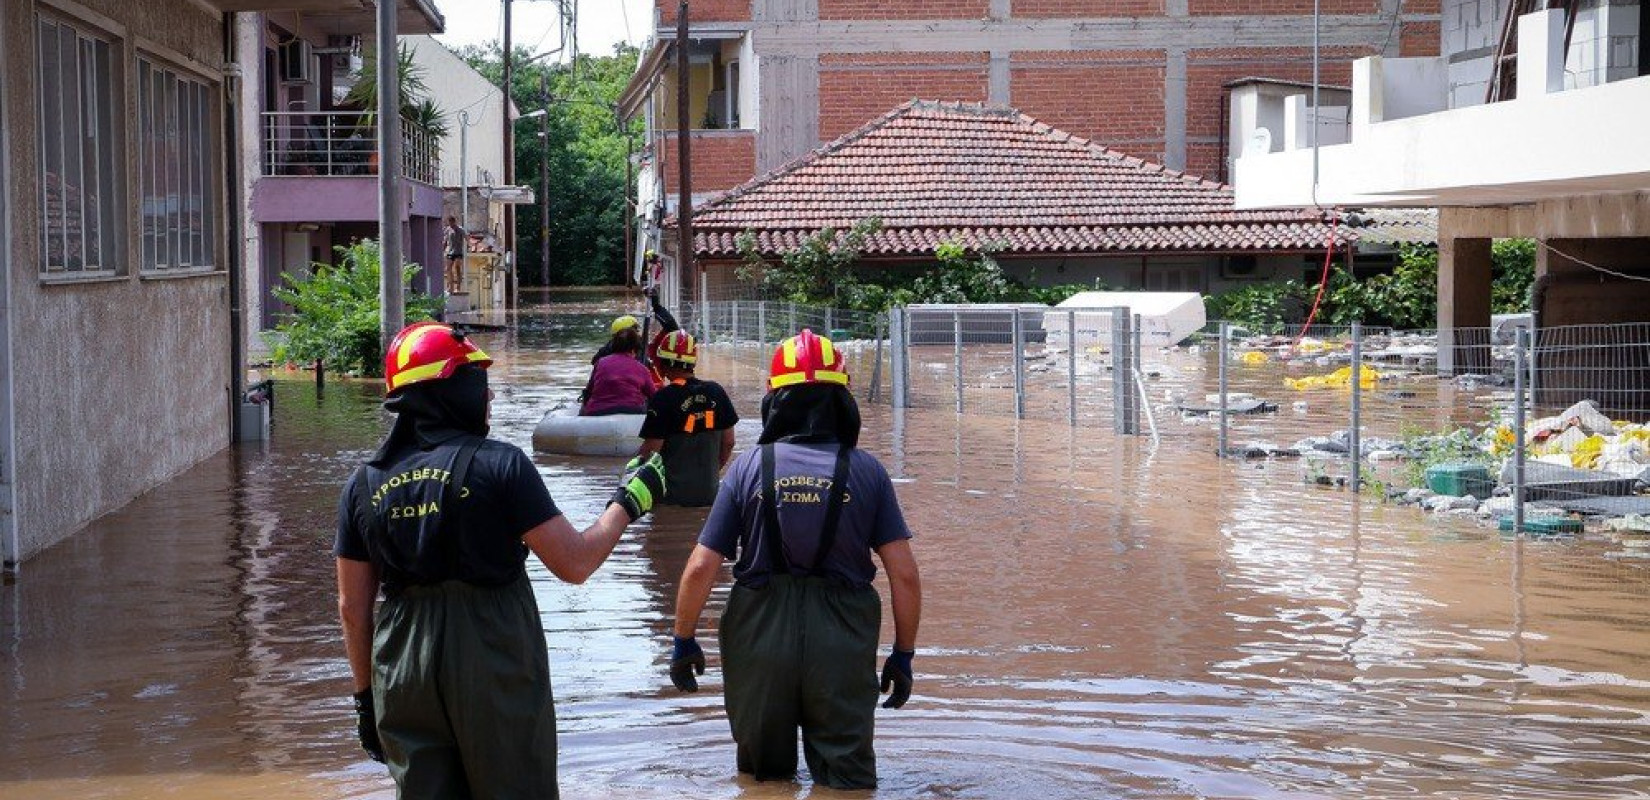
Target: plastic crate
1460,480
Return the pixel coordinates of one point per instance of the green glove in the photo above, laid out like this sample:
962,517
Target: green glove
642,485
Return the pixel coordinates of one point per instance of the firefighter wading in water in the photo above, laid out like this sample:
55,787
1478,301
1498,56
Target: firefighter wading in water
452,678
802,514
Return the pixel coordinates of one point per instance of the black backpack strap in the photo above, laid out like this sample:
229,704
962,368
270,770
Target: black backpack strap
833,509
773,540
449,501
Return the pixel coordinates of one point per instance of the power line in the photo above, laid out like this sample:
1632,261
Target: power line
1589,265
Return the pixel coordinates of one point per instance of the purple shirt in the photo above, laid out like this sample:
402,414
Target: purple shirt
870,518
620,382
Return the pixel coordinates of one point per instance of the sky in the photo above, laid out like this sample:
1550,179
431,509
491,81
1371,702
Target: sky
602,23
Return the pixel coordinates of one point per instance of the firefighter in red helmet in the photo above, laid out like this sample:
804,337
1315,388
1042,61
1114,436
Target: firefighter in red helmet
801,515
689,422
451,676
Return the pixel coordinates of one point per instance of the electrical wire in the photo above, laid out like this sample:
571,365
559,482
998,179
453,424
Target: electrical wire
1591,266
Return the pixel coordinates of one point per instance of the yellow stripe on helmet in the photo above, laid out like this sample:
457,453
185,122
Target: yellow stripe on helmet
790,353
819,376
409,345
827,352
416,374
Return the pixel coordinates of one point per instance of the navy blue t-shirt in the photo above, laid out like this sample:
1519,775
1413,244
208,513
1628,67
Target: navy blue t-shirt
503,498
870,518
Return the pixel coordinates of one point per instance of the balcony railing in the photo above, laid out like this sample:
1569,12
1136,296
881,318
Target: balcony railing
340,143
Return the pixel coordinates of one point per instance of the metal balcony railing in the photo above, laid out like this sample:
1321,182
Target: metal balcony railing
340,143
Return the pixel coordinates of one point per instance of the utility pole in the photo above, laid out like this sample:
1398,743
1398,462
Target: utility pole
509,165
544,176
391,308
684,152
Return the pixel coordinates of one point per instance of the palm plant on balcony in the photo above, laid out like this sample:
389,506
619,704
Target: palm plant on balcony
424,119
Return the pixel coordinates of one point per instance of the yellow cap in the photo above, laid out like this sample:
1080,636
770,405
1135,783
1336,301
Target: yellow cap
623,323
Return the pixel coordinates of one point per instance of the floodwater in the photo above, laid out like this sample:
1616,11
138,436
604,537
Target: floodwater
1101,620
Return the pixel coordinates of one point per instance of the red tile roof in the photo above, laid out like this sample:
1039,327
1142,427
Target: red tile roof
982,175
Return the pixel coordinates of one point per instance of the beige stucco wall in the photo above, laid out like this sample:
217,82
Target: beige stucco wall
120,384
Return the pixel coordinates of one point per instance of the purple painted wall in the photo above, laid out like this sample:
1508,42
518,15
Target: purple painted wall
336,199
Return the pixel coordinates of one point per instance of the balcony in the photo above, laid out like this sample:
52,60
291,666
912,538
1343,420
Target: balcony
323,167
340,144
1405,146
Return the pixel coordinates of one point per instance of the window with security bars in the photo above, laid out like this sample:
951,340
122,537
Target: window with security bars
174,131
82,186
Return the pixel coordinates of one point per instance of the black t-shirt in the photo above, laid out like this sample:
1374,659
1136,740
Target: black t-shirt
690,415
502,499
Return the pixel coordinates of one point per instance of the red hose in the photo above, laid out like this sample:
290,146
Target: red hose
1323,284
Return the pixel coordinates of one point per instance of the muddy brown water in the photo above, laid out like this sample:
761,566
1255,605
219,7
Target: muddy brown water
1101,620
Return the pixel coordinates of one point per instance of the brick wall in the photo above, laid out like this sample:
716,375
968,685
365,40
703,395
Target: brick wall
1419,39
1294,7
706,11
1072,9
721,160
1112,97
857,88
1207,72
904,9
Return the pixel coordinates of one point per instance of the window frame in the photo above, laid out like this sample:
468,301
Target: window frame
186,109
99,123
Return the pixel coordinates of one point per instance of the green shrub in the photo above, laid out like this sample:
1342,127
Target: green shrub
334,317
1262,306
818,272
1514,271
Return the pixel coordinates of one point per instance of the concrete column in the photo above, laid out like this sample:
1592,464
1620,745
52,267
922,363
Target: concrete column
999,90
1174,109
1368,94
1463,306
1541,53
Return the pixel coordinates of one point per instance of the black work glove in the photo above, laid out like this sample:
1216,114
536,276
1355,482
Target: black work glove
642,485
686,660
896,674
366,725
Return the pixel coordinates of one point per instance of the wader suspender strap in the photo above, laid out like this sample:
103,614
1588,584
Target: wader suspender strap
774,540
449,500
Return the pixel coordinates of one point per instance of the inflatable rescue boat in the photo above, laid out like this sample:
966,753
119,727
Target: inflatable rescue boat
563,431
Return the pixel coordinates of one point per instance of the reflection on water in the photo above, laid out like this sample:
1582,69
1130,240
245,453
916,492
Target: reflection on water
1101,620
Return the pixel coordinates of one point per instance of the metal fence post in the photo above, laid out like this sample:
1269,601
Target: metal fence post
1354,437
956,355
830,320
1225,362
876,365
1521,345
1019,367
1071,364
734,321
1122,364
1137,374
790,328
761,322
896,345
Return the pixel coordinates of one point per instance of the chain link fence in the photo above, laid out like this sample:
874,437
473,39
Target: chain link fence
1533,431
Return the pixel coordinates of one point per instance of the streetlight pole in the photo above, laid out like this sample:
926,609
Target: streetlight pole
509,160
684,133
391,305
544,179
464,171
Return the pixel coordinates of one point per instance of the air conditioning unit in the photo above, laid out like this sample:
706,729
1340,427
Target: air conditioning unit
296,60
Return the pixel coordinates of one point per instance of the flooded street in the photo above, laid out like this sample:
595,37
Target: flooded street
1100,620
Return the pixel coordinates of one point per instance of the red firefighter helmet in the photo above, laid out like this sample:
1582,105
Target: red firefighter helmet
428,351
807,358
678,348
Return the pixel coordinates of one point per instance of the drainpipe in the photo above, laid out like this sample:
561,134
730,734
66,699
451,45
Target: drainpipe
232,176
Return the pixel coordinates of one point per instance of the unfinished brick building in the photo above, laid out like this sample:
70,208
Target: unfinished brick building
770,80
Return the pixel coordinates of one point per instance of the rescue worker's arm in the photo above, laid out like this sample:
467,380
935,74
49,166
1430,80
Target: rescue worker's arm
694,589
906,586
687,659
727,448
574,556
649,447
357,591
